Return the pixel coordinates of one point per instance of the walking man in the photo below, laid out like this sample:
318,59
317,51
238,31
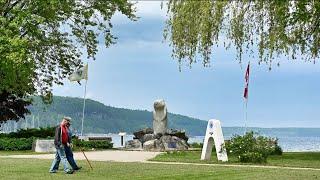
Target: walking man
68,150
61,140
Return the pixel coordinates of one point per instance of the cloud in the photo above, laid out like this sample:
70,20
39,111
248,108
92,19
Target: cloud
144,10
151,9
90,95
139,69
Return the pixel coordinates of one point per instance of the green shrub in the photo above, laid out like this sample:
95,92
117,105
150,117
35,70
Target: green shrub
16,144
200,145
28,133
252,148
78,144
277,149
253,157
196,145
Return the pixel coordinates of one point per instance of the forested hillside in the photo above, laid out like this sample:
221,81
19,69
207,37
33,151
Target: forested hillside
100,118
106,119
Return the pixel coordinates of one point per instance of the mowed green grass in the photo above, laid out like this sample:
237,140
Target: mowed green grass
292,159
8,153
38,169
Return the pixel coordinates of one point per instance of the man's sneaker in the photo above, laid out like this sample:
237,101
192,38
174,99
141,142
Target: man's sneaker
69,172
53,171
78,168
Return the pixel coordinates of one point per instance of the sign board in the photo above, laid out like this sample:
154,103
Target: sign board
214,135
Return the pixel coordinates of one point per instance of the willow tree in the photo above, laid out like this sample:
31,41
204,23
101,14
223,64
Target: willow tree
41,43
263,29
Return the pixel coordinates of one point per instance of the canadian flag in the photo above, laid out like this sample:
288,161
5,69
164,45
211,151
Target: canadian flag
246,89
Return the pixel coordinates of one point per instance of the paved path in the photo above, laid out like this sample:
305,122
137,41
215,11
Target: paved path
142,156
119,156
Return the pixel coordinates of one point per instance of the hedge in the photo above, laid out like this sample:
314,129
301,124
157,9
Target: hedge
28,133
23,140
16,144
78,144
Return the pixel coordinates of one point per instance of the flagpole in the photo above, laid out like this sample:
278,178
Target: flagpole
246,97
246,116
78,75
84,106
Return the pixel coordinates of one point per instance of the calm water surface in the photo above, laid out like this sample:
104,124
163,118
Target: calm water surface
288,144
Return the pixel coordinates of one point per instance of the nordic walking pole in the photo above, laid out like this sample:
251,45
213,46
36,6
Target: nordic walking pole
86,158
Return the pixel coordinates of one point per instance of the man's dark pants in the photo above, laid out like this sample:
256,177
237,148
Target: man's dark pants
69,156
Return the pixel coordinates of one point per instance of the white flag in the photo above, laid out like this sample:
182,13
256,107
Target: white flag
79,74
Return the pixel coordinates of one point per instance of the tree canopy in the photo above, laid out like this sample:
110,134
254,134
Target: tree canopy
41,42
266,29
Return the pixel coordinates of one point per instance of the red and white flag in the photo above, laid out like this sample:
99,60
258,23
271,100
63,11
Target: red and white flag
246,89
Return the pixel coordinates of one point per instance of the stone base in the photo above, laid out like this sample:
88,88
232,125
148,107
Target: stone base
171,141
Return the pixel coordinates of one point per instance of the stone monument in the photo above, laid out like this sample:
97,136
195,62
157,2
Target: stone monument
214,135
160,138
160,120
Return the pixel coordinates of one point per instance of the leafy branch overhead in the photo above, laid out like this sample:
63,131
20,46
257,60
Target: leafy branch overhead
47,37
41,42
273,28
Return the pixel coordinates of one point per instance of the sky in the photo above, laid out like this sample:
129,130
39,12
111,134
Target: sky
139,69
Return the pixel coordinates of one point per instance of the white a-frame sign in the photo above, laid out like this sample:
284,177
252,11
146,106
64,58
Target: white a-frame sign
214,135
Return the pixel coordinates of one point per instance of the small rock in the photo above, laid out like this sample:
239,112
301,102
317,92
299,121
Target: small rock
178,133
173,143
181,145
139,134
148,130
166,141
158,145
148,137
149,145
133,144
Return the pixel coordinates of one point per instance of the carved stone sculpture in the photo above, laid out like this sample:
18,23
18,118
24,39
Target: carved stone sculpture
160,138
160,119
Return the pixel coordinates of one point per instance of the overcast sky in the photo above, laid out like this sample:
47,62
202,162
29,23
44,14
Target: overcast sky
139,69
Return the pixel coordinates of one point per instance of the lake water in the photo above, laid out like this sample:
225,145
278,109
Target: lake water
288,144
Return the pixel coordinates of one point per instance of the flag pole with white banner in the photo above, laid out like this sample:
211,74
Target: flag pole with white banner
78,75
84,105
246,96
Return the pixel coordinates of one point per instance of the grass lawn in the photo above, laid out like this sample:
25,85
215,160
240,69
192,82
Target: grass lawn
28,152
7,153
294,159
38,169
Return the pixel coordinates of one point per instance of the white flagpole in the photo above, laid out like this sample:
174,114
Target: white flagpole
78,75
84,105
246,100
246,116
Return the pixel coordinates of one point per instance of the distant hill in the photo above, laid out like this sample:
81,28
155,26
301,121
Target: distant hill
100,118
